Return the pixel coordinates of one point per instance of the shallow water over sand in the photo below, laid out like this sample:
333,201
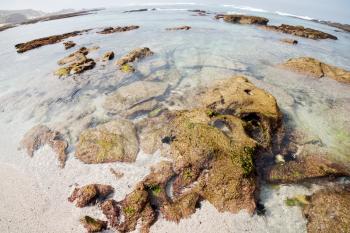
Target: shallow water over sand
185,61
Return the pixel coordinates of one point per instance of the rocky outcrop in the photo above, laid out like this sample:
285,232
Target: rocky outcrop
110,30
305,168
69,44
136,54
93,225
108,56
137,97
140,10
41,135
76,63
89,194
300,31
315,68
289,41
183,28
24,47
244,19
329,211
110,142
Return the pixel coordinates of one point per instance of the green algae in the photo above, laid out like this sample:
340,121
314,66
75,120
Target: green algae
127,68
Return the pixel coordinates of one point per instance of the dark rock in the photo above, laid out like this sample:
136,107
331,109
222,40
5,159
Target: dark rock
140,10
289,41
110,30
93,225
23,47
184,28
89,194
40,135
69,44
244,19
300,31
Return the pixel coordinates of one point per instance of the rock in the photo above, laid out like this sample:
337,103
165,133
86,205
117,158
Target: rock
302,169
300,31
239,97
315,68
108,56
69,44
136,97
185,28
89,194
93,225
289,41
41,135
111,210
140,10
75,57
127,68
244,19
329,211
136,54
115,141
110,30
24,47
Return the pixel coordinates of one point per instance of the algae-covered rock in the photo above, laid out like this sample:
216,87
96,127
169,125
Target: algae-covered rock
111,210
245,19
40,135
239,97
329,211
93,225
315,68
300,31
305,168
127,68
89,194
110,30
136,97
135,54
110,142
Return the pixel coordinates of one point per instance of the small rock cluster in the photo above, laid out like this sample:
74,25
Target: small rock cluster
136,54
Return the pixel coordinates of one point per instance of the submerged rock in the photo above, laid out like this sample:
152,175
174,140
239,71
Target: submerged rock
300,31
89,194
110,30
305,168
329,211
93,225
289,41
41,135
69,44
24,47
115,141
108,56
185,28
315,68
137,97
244,19
140,10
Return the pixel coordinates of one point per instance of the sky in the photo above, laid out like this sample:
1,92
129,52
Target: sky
336,10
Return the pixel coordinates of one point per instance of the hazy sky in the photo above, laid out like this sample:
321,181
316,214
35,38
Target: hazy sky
337,10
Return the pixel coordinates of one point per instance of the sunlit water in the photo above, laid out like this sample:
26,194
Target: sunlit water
30,94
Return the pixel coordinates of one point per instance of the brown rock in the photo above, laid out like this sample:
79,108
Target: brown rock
69,44
89,194
108,56
244,19
110,30
93,225
329,211
136,54
40,135
315,68
305,168
289,41
300,31
23,47
111,210
110,142
185,28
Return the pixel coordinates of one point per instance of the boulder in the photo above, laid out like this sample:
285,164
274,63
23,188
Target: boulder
110,30
24,47
317,69
244,19
108,56
89,194
305,168
328,211
69,44
184,28
135,54
41,135
115,141
93,225
300,31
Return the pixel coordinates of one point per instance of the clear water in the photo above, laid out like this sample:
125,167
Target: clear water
30,94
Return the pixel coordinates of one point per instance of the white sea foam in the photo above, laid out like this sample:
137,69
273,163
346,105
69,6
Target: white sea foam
163,4
295,16
248,8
